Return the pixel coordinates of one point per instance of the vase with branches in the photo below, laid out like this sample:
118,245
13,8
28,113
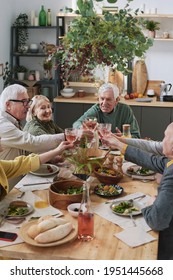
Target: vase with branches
107,40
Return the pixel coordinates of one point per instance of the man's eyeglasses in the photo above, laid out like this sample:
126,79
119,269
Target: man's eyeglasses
26,102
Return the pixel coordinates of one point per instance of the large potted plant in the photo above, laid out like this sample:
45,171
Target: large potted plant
108,40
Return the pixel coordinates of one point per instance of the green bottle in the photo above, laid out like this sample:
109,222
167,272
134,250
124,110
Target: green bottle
42,17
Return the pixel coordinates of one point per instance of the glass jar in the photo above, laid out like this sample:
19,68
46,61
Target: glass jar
126,131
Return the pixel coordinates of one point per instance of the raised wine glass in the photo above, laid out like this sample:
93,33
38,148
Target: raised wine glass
90,123
104,130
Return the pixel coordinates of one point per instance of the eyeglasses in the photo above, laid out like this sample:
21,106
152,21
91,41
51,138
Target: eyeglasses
26,102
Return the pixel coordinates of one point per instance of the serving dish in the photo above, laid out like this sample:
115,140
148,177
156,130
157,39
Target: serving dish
107,175
144,99
106,190
67,90
24,235
138,170
125,208
14,211
67,94
58,196
46,170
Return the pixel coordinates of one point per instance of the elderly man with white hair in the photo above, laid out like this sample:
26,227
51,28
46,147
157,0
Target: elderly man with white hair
110,110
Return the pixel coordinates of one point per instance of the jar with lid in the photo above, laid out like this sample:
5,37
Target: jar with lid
42,17
86,216
126,131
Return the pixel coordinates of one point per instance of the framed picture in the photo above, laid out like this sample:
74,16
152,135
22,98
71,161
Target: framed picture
1,69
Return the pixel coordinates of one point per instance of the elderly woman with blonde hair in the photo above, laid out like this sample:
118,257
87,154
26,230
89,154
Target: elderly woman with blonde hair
39,117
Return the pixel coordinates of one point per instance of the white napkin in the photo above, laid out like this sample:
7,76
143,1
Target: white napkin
134,236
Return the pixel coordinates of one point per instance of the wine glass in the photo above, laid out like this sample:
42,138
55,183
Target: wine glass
104,130
90,123
71,134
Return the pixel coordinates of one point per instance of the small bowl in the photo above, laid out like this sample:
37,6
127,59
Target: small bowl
73,209
67,90
67,94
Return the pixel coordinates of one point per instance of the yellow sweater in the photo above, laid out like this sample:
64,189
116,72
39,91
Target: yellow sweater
19,166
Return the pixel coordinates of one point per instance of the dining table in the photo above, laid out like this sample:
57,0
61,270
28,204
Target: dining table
104,246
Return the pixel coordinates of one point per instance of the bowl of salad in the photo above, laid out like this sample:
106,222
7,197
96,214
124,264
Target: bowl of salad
107,175
65,192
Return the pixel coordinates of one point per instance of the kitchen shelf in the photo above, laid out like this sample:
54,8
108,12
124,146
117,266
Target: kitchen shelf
83,84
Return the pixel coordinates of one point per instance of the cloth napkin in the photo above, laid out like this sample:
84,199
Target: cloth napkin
134,236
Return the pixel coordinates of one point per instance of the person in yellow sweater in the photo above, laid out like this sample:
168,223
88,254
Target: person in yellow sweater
23,164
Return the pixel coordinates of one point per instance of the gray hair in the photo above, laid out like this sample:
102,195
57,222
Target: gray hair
10,92
35,101
108,86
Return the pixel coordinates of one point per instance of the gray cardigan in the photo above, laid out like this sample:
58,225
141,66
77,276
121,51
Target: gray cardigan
158,216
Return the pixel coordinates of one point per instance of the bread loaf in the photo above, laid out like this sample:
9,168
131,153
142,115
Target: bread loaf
50,223
33,231
54,234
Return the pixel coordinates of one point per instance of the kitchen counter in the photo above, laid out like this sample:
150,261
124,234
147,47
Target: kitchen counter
91,99
153,117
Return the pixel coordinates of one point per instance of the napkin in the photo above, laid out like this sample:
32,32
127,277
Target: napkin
134,236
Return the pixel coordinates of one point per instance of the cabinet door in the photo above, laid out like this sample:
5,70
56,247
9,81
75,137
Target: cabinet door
65,114
137,113
154,122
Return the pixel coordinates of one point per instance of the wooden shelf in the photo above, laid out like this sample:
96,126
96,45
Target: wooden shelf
83,84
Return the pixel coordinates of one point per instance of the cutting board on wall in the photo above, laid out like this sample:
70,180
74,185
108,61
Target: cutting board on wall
139,77
155,85
116,77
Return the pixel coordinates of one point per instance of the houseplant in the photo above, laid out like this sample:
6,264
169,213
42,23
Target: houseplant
108,40
20,70
151,26
7,75
21,23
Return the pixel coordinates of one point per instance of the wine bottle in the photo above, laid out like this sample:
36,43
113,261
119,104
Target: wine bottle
86,216
42,17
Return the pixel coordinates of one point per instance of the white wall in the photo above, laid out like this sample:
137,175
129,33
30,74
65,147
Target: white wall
159,58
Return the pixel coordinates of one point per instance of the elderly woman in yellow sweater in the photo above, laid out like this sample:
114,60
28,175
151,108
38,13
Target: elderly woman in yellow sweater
23,164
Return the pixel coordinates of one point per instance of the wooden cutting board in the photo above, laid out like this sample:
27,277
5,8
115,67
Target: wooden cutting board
116,77
154,84
139,77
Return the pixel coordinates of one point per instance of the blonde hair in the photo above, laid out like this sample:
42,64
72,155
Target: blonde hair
36,100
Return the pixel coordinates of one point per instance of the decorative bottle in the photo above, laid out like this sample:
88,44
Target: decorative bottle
86,216
42,17
49,17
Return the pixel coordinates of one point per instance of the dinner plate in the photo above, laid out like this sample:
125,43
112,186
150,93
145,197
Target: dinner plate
134,213
144,99
30,210
102,191
46,170
24,235
136,171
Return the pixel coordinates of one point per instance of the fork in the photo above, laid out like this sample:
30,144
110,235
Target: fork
131,216
20,195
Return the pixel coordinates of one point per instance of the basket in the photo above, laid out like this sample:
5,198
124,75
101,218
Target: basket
61,201
108,179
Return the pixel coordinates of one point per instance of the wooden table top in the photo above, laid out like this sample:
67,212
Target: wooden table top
104,246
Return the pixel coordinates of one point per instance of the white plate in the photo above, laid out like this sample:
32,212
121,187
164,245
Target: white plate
30,210
135,171
44,170
134,213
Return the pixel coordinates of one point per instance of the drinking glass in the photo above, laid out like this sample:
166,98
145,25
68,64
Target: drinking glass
104,130
90,123
71,134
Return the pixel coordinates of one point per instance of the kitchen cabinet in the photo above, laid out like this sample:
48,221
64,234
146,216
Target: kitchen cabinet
18,58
